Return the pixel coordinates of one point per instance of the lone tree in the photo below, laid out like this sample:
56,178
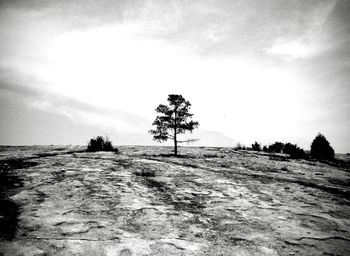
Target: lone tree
321,149
174,119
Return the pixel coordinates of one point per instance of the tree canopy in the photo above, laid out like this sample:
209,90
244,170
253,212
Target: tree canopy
321,149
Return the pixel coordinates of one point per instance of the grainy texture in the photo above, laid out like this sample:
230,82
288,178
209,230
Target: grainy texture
208,201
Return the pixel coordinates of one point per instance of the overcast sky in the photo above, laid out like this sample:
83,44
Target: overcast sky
274,70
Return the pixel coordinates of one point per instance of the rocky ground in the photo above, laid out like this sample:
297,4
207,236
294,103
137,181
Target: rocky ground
142,201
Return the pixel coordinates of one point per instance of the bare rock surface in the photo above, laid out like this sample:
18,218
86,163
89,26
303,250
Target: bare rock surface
208,201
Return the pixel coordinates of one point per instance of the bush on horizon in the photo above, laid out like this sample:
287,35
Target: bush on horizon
294,151
256,146
276,147
288,148
321,149
100,144
240,146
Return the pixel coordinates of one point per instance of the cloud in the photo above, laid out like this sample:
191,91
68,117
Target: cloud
207,27
310,40
329,69
294,50
12,82
104,61
234,27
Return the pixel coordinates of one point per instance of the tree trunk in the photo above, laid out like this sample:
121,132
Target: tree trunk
175,145
175,135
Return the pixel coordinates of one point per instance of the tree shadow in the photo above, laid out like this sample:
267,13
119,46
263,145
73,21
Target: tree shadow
171,155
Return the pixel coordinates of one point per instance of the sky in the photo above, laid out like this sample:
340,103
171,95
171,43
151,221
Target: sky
266,71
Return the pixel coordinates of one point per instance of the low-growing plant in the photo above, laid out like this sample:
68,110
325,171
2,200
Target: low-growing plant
276,147
240,146
288,148
256,146
100,144
294,151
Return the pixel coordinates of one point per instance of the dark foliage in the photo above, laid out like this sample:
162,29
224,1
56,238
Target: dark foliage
294,151
240,146
100,144
321,149
256,146
276,147
288,148
174,119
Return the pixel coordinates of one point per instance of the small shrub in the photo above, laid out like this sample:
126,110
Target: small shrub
256,146
276,147
294,151
240,146
321,149
100,144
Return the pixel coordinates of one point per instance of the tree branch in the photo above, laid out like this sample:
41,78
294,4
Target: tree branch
188,141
